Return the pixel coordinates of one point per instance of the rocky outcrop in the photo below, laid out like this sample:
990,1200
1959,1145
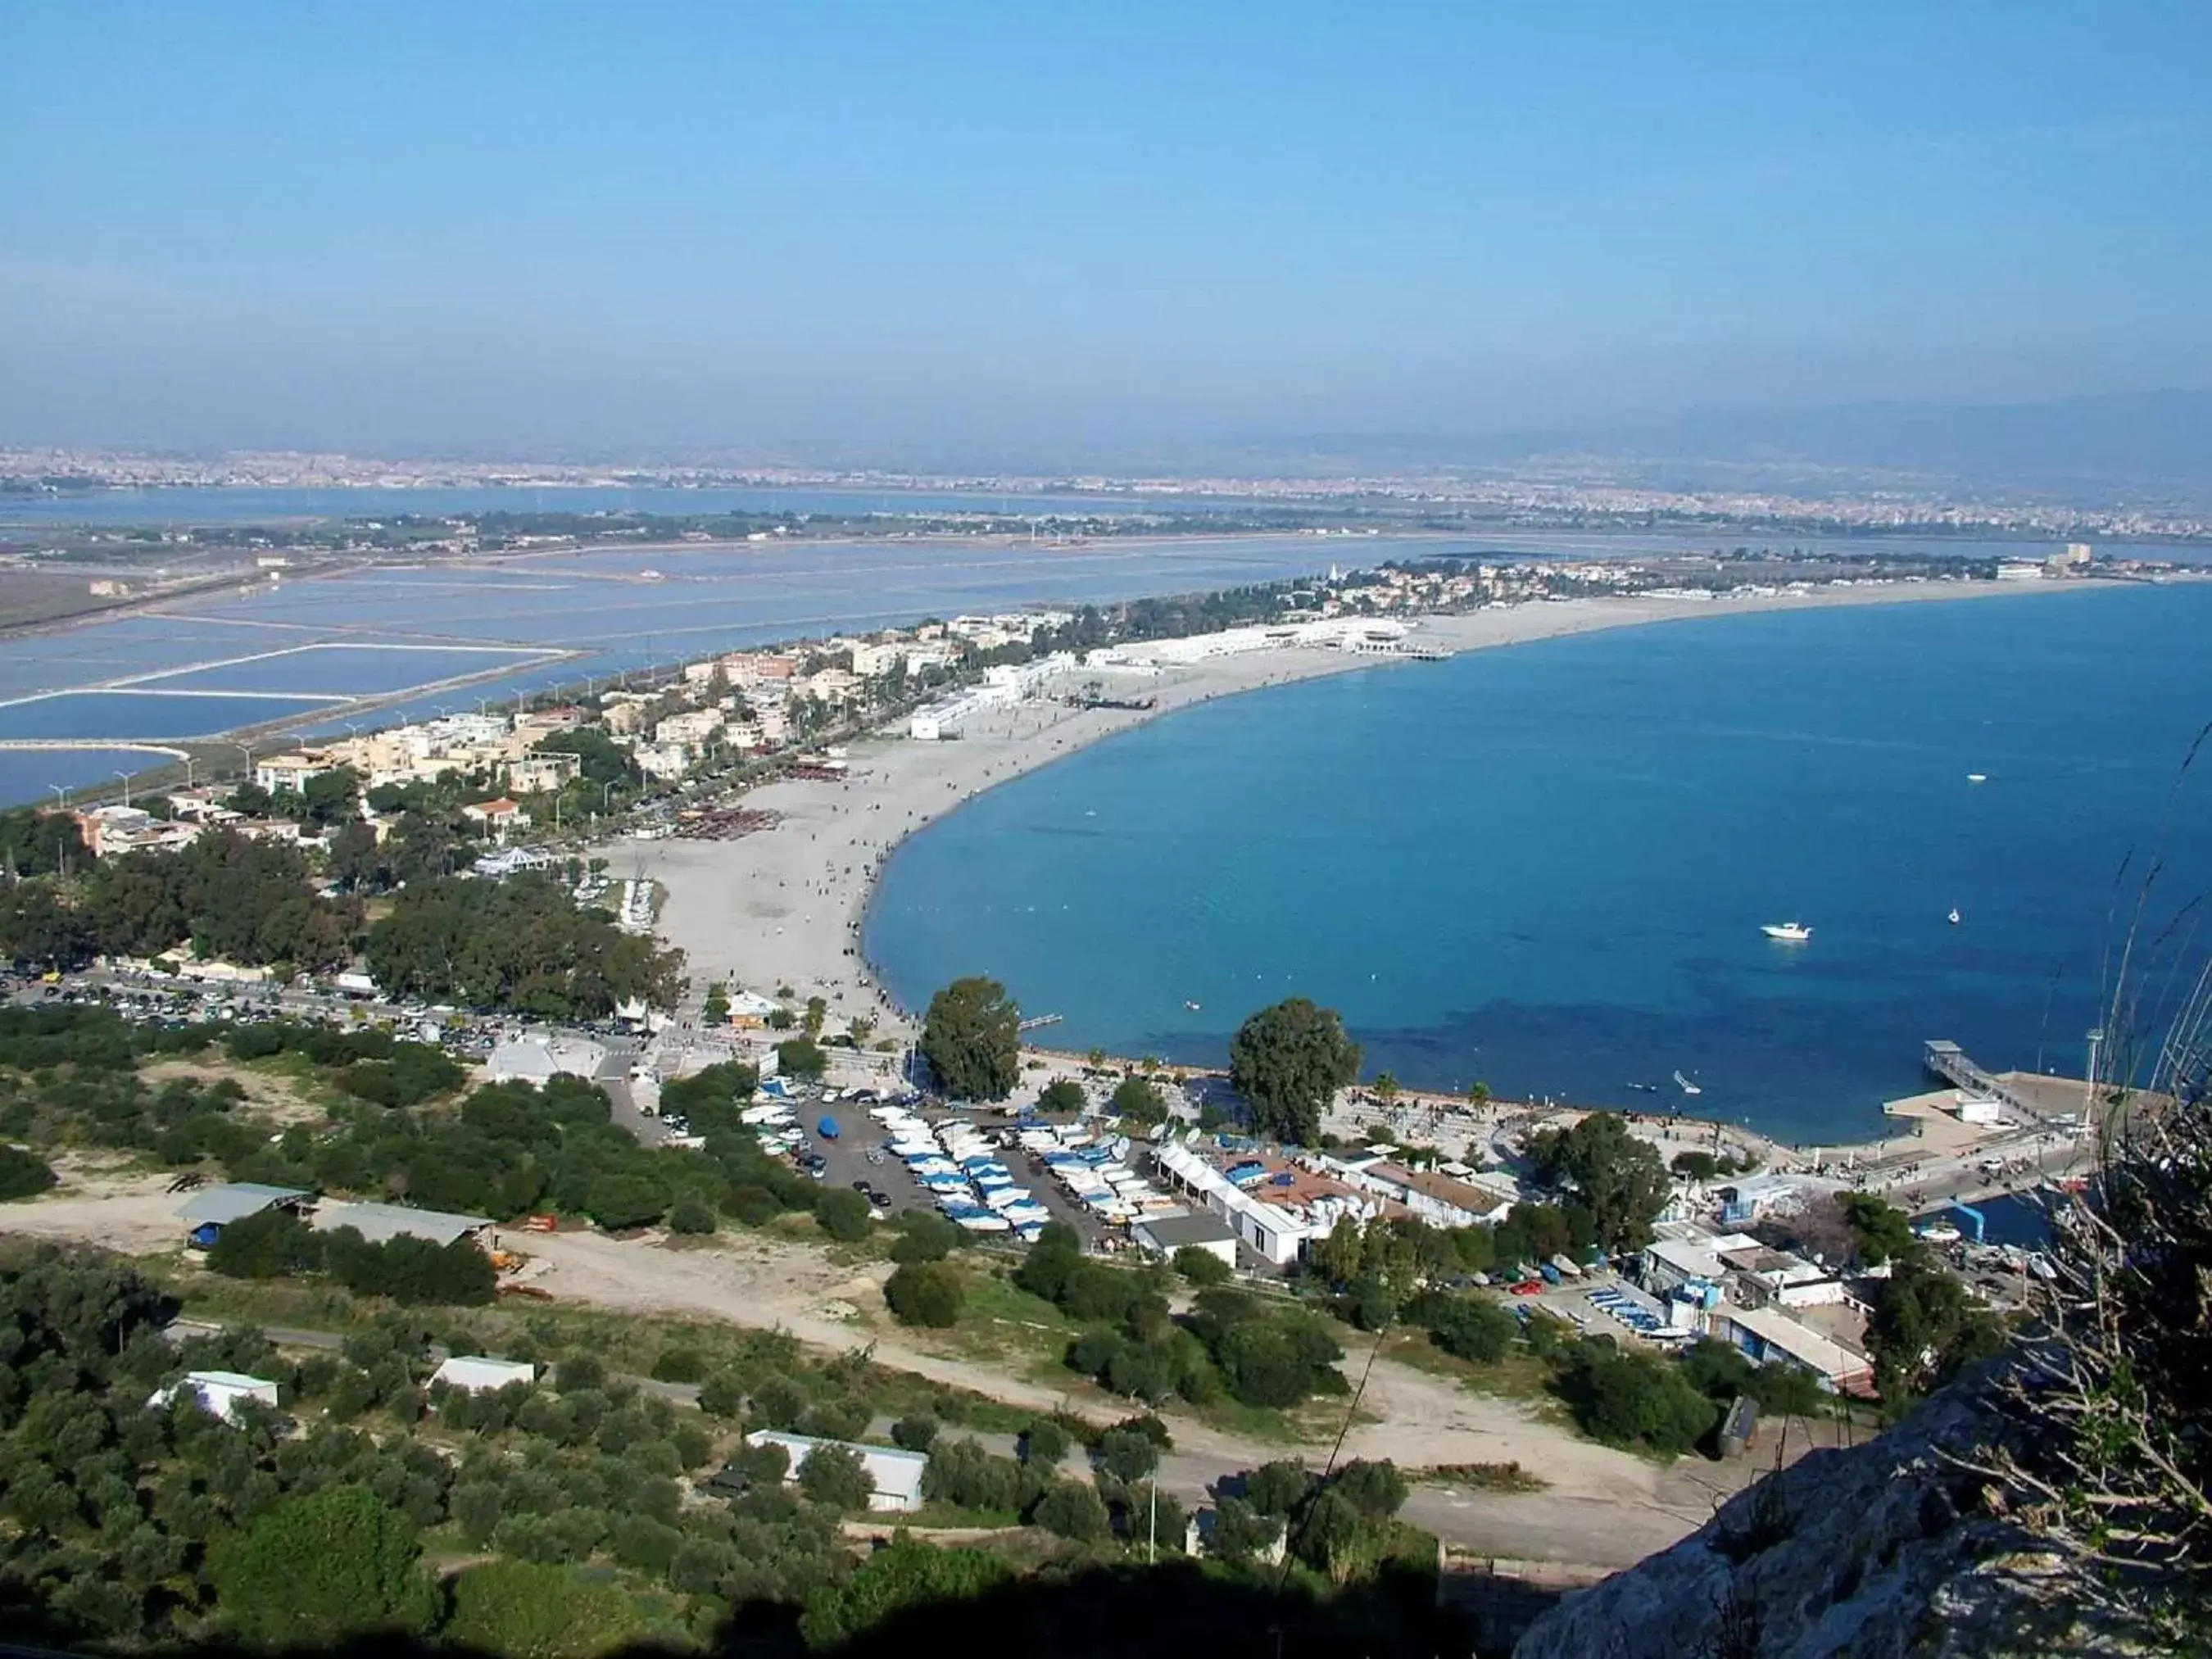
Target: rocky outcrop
1884,1550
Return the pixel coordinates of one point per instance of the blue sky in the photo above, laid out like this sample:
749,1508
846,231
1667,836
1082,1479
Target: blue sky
927,230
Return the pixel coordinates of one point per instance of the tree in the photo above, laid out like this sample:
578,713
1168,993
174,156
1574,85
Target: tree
1883,1232
817,1010
620,1201
23,1175
1629,1399
1043,1444
835,1476
1925,1327
716,1010
1126,1455
971,1038
907,1576
1062,1094
1695,1165
801,1057
1288,1061
523,1610
1201,1266
842,1214
915,1432
271,1243
1473,1328
1386,1086
1620,1178
928,1295
1138,1102
317,1570
1071,1510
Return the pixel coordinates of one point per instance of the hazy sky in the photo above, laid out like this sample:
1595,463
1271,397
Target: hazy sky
928,230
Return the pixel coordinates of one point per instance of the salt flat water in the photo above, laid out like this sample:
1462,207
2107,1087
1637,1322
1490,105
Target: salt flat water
1545,866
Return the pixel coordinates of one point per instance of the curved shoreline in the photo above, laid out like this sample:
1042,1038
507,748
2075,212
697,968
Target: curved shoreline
773,909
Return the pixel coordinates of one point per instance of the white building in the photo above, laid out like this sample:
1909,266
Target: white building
220,1392
1165,1235
474,1374
897,1473
538,1059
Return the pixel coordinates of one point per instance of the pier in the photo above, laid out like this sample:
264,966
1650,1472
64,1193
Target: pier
2052,1101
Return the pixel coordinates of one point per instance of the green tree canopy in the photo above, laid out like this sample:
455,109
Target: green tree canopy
526,1610
835,1476
1062,1094
1620,1178
1136,1099
1288,1061
971,1038
317,1570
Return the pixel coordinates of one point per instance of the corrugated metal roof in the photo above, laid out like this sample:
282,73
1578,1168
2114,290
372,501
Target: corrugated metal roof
1169,1231
232,1201
381,1223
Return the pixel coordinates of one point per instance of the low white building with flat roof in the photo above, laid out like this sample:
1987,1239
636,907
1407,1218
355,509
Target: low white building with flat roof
220,1392
478,1374
897,1473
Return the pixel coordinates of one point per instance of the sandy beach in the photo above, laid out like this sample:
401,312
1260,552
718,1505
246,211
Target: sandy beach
782,906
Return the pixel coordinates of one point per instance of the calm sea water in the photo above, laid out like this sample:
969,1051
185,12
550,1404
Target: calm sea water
1545,867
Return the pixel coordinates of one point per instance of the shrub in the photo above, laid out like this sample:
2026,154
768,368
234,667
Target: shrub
779,1403
843,1213
1043,1444
924,1236
1627,1399
23,1175
928,1296
1201,1267
1062,1094
964,1475
269,1244
915,1432
680,1365
1475,1328
691,1215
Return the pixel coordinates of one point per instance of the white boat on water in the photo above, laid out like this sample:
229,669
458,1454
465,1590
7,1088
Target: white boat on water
1790,933
1954,915
1977,777
1686,1086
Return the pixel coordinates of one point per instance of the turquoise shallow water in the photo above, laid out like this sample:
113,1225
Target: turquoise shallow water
1545,866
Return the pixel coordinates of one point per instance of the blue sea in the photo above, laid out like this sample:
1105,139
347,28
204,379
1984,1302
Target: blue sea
1545,866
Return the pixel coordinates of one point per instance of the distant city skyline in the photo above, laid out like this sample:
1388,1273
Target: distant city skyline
951,236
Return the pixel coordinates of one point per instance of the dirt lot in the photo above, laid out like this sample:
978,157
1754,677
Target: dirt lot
1599,1507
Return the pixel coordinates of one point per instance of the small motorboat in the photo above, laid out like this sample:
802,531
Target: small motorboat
1790,932
1191,1006
1954,917
1686,1086
1977,777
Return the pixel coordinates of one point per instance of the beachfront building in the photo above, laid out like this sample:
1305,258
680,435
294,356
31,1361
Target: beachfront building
1442,1200
1685,1254
1274,1207
1770,1336
897,1474
1204,1230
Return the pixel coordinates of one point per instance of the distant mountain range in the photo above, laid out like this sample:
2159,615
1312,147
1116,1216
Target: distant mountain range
2159,441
